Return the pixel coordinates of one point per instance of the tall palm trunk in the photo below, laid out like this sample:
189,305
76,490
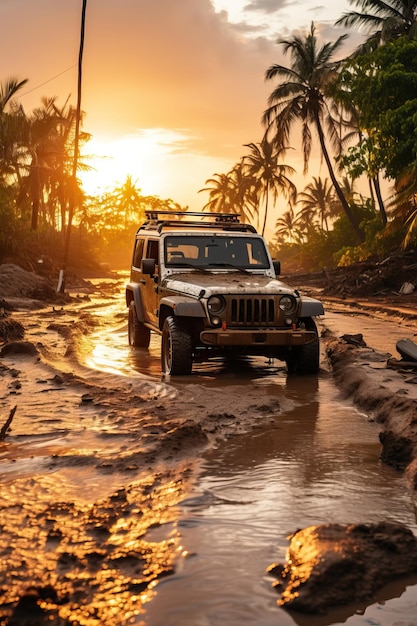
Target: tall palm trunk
381,205
266,211
35,193
339,192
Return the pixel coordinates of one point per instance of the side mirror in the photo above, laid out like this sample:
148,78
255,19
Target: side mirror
277,267
148,266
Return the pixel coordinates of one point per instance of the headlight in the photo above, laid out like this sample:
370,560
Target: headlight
215,304
287,304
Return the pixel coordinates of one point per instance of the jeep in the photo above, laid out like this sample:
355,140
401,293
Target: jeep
205,282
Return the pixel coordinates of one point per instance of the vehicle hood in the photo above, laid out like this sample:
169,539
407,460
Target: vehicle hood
224,283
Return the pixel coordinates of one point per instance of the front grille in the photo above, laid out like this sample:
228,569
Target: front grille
250,311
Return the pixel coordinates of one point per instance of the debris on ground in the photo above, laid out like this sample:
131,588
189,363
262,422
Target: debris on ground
4,429
408,352
355,340
395,276
407,349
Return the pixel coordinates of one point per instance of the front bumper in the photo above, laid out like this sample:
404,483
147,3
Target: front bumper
264,337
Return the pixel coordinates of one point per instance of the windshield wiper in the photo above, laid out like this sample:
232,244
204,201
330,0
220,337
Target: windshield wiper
187,264
235,267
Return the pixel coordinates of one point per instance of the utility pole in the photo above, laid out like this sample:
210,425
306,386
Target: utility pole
73,187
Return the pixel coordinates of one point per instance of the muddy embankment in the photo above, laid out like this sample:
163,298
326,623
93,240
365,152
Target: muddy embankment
388,404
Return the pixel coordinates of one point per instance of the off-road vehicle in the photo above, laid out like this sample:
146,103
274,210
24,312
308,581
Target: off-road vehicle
206,283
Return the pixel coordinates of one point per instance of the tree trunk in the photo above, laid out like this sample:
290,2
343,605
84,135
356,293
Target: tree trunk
266,211
359,234
35,213
381,205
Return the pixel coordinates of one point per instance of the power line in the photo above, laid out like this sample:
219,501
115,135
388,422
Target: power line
47,81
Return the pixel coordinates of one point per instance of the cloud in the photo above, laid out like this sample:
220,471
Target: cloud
267,6
174,64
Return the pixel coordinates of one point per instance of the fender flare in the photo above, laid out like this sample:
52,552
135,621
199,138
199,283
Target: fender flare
183,307
310,307
133,294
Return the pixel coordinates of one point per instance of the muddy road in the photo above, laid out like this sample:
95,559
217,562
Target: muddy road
130,499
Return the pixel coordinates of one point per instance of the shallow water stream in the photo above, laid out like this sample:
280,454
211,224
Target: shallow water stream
312,460
316,462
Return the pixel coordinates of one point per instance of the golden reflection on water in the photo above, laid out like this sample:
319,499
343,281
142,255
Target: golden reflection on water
85,563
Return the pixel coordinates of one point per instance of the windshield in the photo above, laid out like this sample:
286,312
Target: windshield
215,251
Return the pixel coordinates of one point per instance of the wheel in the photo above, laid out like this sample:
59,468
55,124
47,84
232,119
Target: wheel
139,335
306,359
176,349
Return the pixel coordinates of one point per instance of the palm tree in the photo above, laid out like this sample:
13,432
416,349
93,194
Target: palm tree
221,194
62,161
288,227
36,158
303,96
8,90
13,124
234,192
245,192
263,166
128,201
384,20
317,199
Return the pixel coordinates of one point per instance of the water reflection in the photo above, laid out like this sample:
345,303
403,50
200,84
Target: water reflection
315,463
315,460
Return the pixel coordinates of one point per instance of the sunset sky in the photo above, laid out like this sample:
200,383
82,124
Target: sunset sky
172,89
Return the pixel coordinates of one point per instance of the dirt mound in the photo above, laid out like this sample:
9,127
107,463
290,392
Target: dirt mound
16,282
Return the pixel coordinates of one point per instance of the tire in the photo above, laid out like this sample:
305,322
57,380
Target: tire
139,335
306,359
176,349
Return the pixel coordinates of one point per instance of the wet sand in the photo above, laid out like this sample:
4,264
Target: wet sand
94,463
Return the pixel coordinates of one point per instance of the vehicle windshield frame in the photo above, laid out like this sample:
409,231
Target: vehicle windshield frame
215,251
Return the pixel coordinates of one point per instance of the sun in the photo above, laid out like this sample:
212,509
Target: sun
161,162
140,155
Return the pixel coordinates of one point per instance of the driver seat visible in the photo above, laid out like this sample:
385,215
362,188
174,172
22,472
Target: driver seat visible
176,254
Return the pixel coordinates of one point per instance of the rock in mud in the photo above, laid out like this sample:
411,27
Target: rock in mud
19,347
11,329
335,564
397,451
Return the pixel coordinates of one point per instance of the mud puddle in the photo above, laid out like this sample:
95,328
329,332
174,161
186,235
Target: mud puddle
318,463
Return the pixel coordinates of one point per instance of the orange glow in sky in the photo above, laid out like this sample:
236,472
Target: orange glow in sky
172,91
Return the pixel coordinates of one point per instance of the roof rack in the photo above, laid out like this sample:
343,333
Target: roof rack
227,221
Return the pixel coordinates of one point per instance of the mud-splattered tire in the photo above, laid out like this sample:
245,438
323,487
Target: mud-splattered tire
176,349
306,359
139,335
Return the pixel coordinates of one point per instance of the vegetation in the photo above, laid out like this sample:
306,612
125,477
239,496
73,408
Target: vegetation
361,110
37,192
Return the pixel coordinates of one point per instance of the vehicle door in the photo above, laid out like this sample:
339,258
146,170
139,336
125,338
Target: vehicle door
149,283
